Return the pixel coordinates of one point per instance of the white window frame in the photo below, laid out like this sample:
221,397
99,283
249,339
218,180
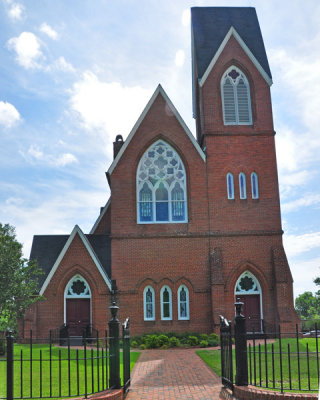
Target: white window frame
254,174
162,303
230,195
187,317
243,195
145,304
182,183
235,96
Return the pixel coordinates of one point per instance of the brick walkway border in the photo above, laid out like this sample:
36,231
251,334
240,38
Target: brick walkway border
174,374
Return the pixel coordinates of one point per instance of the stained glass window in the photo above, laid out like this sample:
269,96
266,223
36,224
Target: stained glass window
242,186
235,98
230,187
161,185
149,303
254,185
166,303
183,302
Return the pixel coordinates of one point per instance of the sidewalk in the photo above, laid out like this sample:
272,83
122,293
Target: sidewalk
174,374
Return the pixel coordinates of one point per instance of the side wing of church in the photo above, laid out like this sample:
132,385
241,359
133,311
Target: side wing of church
191,224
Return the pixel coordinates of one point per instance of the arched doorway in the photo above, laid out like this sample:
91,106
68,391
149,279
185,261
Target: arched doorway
77,300
248,291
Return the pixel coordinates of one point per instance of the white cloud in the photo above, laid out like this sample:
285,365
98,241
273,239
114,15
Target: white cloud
186,17
179,59
15,11
49,31
27,49
107,107
304,272
35,153
61,65
9,115
307,200
299,244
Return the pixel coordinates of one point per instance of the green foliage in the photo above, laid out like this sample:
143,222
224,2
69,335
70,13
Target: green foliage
193,340
204,343
203,336
134,344
213,340
18,279
142,346
152,342
163,340
174,342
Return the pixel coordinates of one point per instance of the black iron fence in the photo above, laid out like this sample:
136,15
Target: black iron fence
45,368
277,360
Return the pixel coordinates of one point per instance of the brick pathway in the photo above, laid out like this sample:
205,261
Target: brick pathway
174,374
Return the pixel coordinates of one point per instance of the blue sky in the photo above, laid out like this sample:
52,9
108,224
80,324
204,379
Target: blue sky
74,74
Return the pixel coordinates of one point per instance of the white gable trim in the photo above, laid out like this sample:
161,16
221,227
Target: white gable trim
76,230
140,119
246,49
105,208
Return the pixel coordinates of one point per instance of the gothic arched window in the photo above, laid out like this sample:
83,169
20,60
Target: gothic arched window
235,94
230,186
77,287
254,186
148,303
161,186
183,302
166,303
242,186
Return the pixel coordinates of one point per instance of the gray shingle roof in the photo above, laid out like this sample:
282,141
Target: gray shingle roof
210,26
46,249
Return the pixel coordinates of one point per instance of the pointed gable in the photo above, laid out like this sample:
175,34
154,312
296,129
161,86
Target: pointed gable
210,28
158,92
49,251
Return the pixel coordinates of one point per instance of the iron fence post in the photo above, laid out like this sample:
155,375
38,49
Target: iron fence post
114,351
10,340
240,347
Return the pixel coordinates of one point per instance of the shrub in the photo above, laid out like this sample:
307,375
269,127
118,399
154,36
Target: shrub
163,340
203,336
193,340
142,347
203,343
213,340
152,342
134,344
174,342
164,347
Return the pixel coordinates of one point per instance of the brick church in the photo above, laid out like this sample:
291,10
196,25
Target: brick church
191,224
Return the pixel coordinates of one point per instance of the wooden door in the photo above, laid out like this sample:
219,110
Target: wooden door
78,315
251,310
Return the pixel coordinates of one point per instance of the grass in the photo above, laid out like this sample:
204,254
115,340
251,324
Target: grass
270,377
41,376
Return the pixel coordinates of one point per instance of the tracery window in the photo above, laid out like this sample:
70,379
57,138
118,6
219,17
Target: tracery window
247,284
242,186
166,303
235,93
230,186
183,303
77,287
148,303
161,186
254,186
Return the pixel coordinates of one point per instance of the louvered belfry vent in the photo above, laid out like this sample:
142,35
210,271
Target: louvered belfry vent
235,98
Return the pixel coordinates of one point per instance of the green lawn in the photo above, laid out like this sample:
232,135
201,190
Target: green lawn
270,377
41,376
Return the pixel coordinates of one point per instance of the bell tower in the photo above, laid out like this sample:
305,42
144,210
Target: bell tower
233,112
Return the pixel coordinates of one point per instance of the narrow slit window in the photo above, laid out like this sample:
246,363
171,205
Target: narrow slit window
183,303
242,186
149,308
254,185
230,186
166,306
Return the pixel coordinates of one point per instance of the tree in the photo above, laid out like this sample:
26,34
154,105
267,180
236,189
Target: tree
308,304
18,279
